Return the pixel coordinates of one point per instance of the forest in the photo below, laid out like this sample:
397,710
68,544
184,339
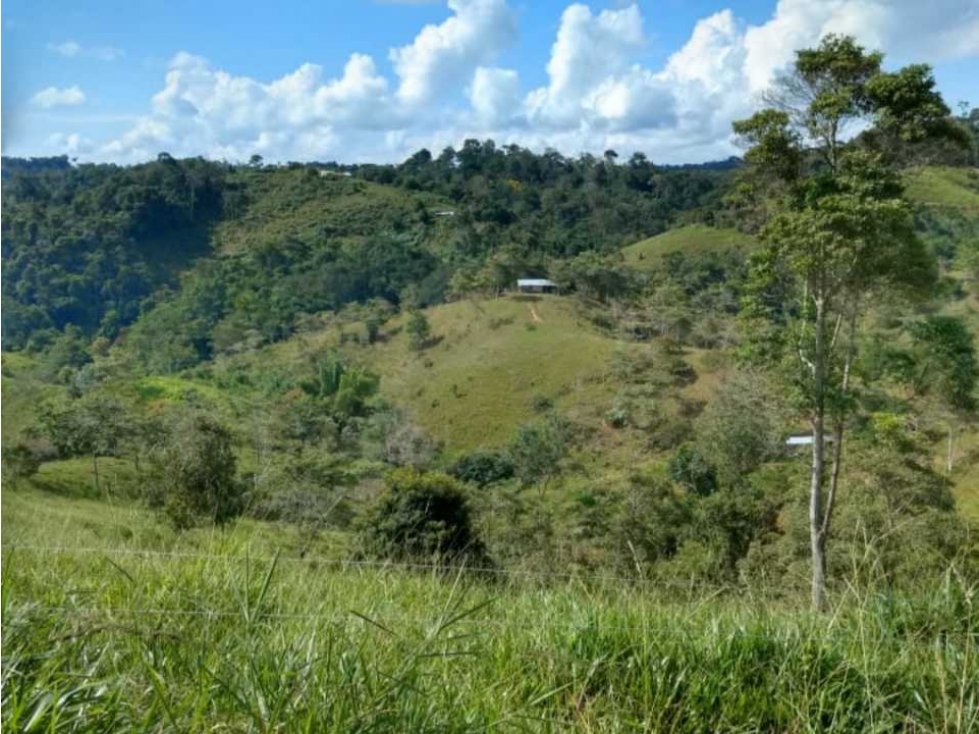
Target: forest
751,402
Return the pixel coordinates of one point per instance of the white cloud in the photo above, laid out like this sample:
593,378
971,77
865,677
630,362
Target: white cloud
444,55
55,97
588,50
495,95
67,49
599,93
70,143
72,49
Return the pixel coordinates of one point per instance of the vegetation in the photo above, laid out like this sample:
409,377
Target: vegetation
213,629
841,231
310,464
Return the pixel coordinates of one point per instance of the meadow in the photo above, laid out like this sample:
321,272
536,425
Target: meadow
112,622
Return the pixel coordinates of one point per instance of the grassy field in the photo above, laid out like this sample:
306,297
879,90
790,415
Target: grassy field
114,623
300,204
944,186
487,363
692,239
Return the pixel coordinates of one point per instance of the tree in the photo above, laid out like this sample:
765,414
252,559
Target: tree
94,425
741,428
837,228
945,367
422,516
418,330
197,466
537,449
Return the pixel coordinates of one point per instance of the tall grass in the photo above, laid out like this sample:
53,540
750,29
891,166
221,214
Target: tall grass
218,641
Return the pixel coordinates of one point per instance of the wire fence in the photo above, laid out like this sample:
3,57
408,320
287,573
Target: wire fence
383,565
382,619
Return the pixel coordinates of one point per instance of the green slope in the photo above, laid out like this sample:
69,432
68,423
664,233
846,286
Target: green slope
694,238
944,186
489,363
275,205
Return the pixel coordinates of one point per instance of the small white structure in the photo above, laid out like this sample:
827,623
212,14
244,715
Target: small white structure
804,439
536,285
444,213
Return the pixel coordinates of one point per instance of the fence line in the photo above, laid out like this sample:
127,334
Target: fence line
364,563
384,622
379,620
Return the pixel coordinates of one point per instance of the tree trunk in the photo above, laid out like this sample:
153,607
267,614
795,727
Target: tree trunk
817,538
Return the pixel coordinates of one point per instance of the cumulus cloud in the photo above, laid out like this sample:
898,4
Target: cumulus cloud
70,143
587,51
495,95
57,97
599,93
72,49
442,55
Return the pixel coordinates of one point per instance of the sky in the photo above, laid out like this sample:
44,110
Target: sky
375,80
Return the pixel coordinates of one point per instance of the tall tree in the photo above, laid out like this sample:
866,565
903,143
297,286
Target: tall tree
837,230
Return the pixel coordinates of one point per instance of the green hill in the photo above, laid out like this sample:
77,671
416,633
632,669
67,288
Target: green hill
269,206
491,362
944,186
691,239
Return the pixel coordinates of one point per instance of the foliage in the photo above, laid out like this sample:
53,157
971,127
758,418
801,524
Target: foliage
537,448
299,645
742,427
945,360
422,516
482,467
419,330
197,473
689,468
838,232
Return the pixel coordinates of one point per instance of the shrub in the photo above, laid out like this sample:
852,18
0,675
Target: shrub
538,448
482,467
418,330
422,515
20,461
689,467
197,469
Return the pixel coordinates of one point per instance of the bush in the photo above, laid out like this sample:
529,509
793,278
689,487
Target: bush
197,467
538,448
422,516
418,330
20,461
688,467
482,467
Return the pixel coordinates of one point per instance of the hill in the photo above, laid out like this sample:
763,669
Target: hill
944,186
692,239
489,363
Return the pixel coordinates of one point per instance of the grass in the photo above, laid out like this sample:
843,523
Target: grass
21,391
487,363
691,239
212,631
943,186
285,204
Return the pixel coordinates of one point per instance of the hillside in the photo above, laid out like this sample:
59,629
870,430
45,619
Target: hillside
944,186
622,399
266,207
693,239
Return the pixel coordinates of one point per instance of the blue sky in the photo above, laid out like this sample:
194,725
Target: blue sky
376,79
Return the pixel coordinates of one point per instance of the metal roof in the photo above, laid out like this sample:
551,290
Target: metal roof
535,282
805,440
